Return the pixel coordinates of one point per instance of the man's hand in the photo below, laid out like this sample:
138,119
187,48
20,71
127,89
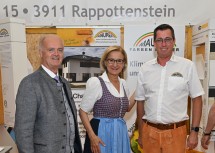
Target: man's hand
192,140
205,141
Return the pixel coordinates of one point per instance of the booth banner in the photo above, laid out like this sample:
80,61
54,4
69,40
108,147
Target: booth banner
7,85
12,49
107,12
140,49
89,37
8,92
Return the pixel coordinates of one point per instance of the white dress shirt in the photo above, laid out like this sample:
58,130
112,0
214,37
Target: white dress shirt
93,91
165,89
49,72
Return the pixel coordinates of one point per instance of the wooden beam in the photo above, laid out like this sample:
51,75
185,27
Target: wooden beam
41,30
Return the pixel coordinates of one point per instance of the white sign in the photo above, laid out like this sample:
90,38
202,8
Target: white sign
77,95
107,12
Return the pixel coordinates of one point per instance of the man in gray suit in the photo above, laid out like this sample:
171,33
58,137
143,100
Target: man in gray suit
46,116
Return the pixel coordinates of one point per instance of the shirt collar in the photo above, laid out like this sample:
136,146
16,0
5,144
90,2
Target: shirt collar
50,73
105,77
173,59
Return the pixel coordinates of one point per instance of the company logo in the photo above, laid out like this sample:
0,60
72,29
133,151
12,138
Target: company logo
4,33
105,34
145,40
106,38
146,43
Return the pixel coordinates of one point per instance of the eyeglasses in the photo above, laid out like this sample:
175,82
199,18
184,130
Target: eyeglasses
167,40
112,61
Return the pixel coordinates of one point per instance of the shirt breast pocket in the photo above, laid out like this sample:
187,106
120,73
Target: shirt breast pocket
176,83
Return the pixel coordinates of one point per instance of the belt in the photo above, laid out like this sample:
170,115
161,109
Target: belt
165,126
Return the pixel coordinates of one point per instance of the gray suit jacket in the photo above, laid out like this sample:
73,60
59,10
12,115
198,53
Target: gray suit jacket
40,120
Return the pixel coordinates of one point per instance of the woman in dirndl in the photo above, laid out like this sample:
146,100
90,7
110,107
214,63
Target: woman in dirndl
106,97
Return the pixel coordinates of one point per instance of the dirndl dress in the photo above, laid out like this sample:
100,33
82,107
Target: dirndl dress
108,123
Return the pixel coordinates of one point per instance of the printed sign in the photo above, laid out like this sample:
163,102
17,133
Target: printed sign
106,12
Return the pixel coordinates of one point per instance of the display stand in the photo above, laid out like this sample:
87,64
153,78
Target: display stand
13,63
203,54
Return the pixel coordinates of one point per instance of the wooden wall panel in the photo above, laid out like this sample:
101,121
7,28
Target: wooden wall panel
32,40
201,50
188,43
188,54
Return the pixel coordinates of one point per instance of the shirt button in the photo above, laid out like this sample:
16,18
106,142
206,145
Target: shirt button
64,135
61,102
64,124
64,112
63,147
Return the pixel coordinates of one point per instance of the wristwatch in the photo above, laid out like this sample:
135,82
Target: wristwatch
196,129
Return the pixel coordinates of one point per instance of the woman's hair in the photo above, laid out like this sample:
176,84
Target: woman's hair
108,51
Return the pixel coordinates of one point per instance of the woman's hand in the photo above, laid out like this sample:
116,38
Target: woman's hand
95,142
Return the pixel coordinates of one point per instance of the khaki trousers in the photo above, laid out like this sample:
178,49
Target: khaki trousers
164,141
